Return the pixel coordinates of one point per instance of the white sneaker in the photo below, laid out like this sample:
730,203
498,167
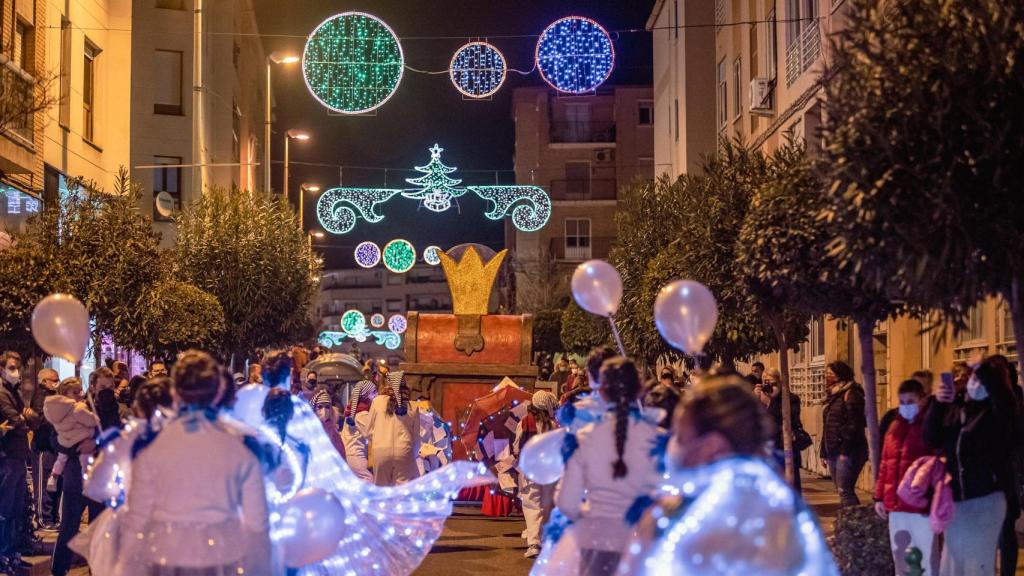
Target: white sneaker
532,552
51,483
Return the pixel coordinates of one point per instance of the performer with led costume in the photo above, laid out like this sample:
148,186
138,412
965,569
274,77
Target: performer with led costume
725,510
392,529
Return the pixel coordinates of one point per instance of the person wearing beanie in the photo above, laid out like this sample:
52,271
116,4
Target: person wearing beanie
394,431
538,500
354,433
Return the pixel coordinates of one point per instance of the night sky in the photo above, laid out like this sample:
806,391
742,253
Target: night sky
426,108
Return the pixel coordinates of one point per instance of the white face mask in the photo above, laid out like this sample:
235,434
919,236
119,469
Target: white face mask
909,411
12,376
975,390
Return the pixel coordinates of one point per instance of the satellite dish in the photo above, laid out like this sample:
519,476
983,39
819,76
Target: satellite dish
164,204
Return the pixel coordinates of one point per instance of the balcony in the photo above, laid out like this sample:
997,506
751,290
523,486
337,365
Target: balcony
17,94
592,132
803,52
585,248
579,190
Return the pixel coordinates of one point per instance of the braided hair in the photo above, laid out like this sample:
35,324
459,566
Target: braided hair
278,410
620,383
153,394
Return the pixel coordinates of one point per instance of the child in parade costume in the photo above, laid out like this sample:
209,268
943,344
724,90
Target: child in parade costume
354,432
537,499
725,510
394,433
599,486
394,528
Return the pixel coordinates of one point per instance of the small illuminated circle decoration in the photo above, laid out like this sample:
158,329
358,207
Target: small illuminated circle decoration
352,62
377,320
353,321
399,256
397,324
430,255
477,70
575,55
367,254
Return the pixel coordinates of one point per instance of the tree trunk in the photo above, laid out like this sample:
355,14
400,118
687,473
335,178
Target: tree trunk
784,397
1016,301
865,332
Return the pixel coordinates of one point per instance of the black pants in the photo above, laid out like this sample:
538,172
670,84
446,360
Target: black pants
47,503
1008,546
13,491
72,506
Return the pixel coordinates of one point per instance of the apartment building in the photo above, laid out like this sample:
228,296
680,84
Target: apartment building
582,150
173,163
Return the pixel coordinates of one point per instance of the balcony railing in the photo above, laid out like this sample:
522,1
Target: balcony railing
583,189
579,249
585,132
803,52
17,94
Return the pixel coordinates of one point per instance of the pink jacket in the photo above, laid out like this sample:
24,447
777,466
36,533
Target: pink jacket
928,476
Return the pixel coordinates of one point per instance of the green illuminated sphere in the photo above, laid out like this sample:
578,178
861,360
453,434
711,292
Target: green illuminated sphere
399,256
352,63
353,321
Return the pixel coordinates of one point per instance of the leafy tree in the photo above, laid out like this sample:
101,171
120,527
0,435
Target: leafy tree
247,250
175,317
547,331
29,280
926,148
582,331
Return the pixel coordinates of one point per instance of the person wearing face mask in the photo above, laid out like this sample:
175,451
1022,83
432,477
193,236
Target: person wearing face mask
902,446
725,510
14,457
977,433
769,392
844,444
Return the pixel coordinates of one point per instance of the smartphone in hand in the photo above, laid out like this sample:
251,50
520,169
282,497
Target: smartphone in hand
947,390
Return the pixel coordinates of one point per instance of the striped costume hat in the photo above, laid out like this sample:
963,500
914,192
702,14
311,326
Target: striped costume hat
395,380
362,389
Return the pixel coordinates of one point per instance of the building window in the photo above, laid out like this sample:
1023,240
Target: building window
92,54
770,46
755,51
817,338
577,239
803,40
171,4
675,15
737,87
645,113
719,14
167,180
22,55
395,280
65,73
577,120
168,84
394,305
723,96
675,119
974,331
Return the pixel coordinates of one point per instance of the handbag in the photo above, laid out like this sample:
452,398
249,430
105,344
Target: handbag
801,439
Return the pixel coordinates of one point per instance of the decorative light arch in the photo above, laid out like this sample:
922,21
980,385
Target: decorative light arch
575,55
477,69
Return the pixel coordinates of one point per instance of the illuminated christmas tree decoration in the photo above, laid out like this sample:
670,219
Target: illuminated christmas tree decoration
399,256
352,63
339,209
367,254
398,324
477,70
377,320
353,321
430,255
575,55
436,188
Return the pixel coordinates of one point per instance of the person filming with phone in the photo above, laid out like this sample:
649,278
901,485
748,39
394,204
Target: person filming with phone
976,427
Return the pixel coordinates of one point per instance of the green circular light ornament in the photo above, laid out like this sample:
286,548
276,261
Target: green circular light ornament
399,256
353,321
352,63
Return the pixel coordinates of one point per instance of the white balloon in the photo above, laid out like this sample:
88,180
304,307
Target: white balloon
686,313
312,523
541,459
249,404
597,287
60,325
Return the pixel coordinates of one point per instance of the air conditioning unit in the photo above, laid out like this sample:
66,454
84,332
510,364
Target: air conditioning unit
605,156
761,96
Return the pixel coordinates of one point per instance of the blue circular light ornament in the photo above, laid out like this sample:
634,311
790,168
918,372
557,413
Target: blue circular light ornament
477,70
353,321
397,324
367,254
399,256
575,55
430,255
352,62
377,320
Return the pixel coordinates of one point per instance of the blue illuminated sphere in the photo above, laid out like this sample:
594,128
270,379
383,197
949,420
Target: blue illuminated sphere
430,255
397,324
477,70
367,254
575,55
377,320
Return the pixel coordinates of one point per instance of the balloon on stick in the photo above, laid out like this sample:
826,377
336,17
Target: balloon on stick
312,523
597,288
60,325
685,313
541,459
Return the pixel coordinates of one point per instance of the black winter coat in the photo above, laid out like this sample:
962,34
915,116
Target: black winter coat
843,424
14,443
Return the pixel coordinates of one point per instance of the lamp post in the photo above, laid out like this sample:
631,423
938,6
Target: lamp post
302,195
273,58
289,136
315,234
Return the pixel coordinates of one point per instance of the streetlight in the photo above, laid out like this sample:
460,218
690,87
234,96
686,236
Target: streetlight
273,58
288,136
302,194
314,234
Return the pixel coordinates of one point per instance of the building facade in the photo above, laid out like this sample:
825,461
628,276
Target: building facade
173,163
582,150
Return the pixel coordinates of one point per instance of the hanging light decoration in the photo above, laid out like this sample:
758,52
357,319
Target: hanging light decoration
430,255
367,254
398,324
575,55
399,256
477,70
